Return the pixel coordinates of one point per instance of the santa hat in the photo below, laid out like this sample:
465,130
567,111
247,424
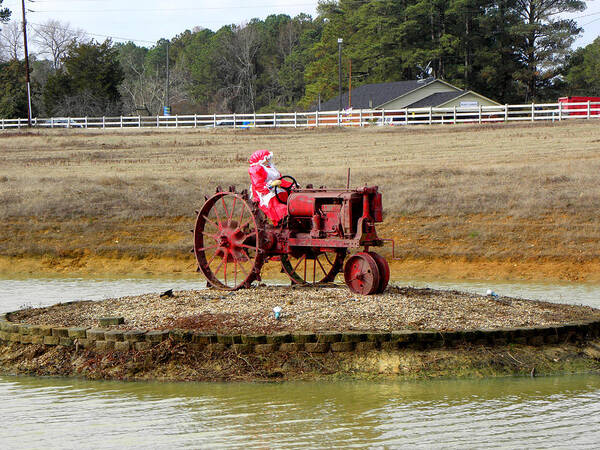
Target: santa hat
260,157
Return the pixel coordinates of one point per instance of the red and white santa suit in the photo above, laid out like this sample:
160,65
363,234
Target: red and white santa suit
262,174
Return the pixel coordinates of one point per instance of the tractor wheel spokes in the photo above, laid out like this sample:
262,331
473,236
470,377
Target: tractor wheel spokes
242,213
232,209
211,235
203,249
241,227
324,266
225,207
321,266
302,258
234,261
219,266
208,220
243,268
212,258
252,247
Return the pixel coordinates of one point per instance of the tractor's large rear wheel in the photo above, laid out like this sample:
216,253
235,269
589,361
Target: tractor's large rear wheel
227,241
312,266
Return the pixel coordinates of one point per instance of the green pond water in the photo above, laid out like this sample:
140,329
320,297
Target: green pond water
545,412
510,412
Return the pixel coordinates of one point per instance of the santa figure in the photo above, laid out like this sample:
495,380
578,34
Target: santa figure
266,184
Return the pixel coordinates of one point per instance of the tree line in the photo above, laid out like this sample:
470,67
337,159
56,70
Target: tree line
509,50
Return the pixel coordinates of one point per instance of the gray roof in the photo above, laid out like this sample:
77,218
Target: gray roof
378,93
436,99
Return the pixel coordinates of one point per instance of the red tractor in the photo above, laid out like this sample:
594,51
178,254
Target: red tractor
233,238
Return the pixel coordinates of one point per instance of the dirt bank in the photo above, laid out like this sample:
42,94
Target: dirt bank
471,247
179,362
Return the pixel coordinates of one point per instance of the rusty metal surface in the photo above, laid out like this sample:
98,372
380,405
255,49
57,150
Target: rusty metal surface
233,238
361,274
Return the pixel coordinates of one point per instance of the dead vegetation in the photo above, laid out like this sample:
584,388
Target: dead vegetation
173,361
521,171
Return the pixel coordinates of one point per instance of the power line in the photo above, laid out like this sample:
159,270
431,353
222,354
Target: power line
93,34
173,9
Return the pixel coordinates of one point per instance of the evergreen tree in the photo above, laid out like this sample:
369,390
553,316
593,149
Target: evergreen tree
4,13
583,71
13,95
542,40
88,84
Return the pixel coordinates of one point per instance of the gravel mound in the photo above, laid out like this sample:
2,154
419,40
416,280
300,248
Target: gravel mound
328,308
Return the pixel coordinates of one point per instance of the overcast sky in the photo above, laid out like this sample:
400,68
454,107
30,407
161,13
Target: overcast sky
149,20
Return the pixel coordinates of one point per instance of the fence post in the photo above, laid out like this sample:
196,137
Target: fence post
479,114
295,119
588,110
3,123
275,119
361,118
176,120
317,118
533,112
338,118
254,119
157,121
506,112
215,120
195,120
139,121
454,115
234,121
121,121
86,122
559,111
430,115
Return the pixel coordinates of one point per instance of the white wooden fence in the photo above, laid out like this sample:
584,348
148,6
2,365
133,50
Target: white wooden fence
356,117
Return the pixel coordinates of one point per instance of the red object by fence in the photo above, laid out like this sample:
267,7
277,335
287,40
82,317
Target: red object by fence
578,106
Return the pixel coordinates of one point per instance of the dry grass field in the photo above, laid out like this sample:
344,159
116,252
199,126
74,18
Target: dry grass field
502,201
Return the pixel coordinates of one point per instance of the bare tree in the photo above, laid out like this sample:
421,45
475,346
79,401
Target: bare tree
143,86
237,63
11,41
53,39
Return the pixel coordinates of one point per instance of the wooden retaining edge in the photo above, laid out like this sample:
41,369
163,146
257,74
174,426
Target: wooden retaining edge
313,342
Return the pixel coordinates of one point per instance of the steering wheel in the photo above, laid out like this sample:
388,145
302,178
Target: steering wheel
287,189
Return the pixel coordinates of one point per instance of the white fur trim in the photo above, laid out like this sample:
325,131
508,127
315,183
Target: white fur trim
265,199
264,160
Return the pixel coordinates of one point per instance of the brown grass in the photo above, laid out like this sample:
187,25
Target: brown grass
492,192
521,171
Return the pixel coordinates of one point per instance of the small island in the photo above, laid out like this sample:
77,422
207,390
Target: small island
318,332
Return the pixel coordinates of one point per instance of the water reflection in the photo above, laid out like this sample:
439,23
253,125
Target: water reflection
541,413
563,292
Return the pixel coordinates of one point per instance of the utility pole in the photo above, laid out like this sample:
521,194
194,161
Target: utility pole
26,66
167,86
340,41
